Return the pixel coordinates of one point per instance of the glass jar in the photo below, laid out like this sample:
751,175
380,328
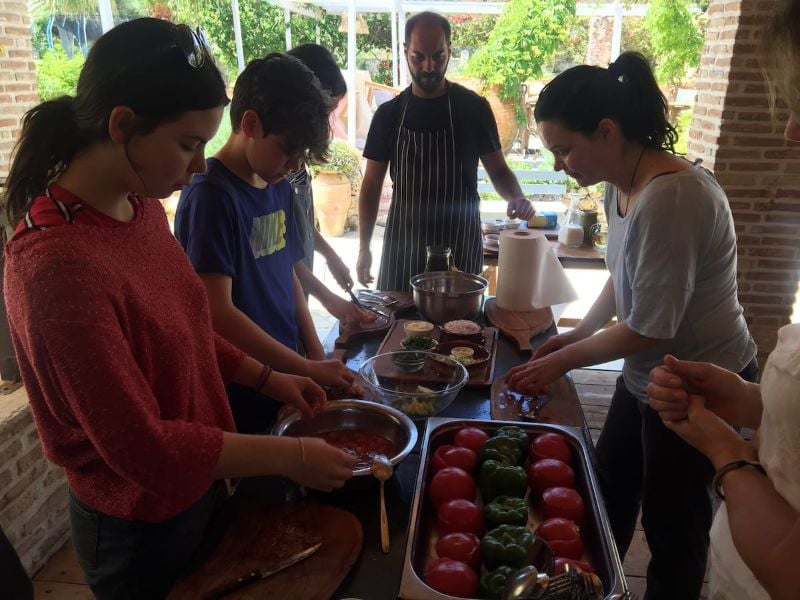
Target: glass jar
439,258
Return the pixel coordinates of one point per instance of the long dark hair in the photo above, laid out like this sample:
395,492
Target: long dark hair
158,69
627,92
289,100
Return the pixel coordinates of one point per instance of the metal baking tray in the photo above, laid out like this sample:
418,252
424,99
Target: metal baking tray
422,536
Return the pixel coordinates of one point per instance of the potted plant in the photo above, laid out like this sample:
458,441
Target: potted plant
528,33
334,185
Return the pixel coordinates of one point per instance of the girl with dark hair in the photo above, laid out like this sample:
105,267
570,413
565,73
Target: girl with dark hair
672,262
112,327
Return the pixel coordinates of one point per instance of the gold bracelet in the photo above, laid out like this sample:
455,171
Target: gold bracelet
302,452
716,483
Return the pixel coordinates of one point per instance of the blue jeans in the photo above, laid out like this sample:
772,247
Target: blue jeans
125,559
641,463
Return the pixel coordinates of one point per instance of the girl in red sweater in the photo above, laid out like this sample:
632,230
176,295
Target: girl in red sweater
112,328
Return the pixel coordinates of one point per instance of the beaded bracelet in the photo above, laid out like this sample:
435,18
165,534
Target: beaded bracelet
266,371
716,483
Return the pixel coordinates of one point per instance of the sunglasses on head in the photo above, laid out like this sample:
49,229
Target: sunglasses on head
194,44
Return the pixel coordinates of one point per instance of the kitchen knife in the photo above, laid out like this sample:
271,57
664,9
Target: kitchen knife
260,574
363,306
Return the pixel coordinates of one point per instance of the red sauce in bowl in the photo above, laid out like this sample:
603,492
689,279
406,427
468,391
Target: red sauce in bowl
362,444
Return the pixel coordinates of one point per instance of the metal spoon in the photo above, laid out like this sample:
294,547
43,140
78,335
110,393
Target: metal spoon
526,584
382,469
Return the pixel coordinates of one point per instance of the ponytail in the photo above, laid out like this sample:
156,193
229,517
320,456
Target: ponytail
48,142
627,92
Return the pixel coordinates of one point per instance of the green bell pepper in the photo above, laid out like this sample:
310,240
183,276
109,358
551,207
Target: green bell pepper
501,449
493,583
497,479
506,545
518,434
506,510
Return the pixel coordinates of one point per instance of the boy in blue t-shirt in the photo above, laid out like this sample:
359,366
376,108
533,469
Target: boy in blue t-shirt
236,223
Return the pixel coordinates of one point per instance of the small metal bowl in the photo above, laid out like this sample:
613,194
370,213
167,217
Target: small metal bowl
355,415
448,295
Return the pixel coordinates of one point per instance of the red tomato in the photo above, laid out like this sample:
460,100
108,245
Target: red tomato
449,483
452,577
453,456
562,502
550,445
465,547
460,516
563,537
471,437
560,562
549,472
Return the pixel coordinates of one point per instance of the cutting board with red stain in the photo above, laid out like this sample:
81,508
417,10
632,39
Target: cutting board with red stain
261,535
562,408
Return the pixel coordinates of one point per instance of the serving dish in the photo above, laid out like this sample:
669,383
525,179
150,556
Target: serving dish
480,375
355,415
420,549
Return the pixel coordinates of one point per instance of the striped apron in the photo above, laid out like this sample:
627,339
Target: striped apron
431,206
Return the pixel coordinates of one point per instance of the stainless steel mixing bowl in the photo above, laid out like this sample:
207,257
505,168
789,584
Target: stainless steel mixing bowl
442,296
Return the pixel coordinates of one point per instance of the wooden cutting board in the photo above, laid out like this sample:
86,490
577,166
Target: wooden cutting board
262,535
519,326
563,406
357,331
479,375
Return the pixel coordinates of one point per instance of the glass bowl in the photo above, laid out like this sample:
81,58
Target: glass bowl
416,386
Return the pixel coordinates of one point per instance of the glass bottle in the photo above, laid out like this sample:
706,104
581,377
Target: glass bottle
439,258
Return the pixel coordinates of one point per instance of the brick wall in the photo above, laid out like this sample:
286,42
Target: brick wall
17,74
33,491
732,131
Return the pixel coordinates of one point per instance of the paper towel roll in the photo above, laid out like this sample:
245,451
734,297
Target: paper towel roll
529,276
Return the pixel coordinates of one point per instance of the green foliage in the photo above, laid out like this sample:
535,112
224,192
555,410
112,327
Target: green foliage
676,39
223,133
469,31
636,37
56,74
683,123
345,160
526,35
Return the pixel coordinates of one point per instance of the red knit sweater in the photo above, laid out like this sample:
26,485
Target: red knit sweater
123,370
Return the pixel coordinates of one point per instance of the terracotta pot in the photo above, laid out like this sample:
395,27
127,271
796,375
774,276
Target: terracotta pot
504,110
331,201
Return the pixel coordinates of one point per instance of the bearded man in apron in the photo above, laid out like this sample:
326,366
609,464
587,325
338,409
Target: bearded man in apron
432,134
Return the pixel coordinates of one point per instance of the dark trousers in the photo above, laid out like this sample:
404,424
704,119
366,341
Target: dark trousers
643,464
14,581
127,560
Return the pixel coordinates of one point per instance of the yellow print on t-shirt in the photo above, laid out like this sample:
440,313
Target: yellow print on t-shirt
268,234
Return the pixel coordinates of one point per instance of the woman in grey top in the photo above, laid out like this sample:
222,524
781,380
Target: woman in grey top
672,260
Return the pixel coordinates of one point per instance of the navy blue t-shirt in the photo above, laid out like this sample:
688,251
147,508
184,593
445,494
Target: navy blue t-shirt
227,226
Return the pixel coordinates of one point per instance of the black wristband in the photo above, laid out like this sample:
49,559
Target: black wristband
716,483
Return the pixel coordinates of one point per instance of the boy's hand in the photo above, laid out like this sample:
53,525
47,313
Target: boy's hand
331,372
300,392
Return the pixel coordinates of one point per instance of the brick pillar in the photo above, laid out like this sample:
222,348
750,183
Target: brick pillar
17,74
732,131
